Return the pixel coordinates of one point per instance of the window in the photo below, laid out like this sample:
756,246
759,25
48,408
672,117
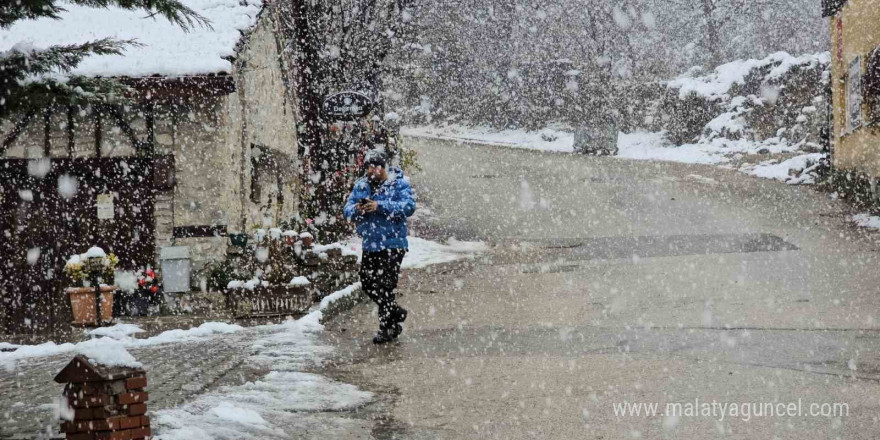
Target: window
872,87
832,7
854,95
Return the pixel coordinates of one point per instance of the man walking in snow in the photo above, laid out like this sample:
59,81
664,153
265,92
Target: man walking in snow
379,205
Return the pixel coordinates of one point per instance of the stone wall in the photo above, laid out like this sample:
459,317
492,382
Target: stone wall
270,123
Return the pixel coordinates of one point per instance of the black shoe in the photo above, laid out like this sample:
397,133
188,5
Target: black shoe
396,331
382,337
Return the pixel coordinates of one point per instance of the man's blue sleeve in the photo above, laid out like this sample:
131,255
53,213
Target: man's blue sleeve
350,210
403,204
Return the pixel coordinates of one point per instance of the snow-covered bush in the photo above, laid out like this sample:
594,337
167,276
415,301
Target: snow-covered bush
779,96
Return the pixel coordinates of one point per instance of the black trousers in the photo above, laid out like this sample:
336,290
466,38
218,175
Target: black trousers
379,273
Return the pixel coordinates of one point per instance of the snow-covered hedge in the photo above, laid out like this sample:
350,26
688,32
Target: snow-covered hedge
779,96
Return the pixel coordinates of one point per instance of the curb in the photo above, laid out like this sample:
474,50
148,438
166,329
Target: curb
342,305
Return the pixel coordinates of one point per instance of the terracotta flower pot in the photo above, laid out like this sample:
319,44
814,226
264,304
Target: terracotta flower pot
82,301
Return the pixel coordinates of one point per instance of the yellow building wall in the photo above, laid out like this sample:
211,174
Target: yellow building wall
859,150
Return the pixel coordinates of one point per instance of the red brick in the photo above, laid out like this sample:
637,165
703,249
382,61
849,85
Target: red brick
137,409
84,414
131,422
81,436
145,421
95,425
114,435
130,398
104,412
140,432
136,383
90,401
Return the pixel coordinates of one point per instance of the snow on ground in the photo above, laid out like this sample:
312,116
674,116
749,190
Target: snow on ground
867,221
782,170
549,139
5,346
273,406
165,49
643,146
423,253
269,408
117,338
118,331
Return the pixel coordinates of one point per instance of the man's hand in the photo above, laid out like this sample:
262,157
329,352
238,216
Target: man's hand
368,207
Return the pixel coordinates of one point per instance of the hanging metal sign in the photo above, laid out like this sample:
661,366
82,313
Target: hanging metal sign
347,106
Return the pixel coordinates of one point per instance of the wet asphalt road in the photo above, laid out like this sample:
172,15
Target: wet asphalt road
613,282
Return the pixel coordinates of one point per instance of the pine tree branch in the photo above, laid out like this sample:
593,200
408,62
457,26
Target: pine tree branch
173,10
12,11
60,58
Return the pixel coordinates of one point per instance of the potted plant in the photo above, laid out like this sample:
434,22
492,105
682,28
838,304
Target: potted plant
91,272
147,293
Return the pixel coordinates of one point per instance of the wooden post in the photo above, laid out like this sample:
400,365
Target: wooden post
99,130
70,133
47,131
16,130
151,129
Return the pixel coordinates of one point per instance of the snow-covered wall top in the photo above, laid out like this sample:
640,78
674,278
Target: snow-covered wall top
166,49
717,83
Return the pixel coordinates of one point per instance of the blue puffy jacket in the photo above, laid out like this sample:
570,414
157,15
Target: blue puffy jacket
386,227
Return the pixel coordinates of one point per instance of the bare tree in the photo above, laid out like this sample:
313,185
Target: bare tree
338,44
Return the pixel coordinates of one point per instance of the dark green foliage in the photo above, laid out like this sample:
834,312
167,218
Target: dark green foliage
852,186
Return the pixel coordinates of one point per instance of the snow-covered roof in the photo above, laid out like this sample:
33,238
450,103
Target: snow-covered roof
166,49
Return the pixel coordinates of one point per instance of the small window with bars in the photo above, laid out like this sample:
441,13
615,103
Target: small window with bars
871,89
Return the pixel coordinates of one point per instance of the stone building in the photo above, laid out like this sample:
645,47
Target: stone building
855,79
212,114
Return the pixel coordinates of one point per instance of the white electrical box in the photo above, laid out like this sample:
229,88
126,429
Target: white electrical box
176,269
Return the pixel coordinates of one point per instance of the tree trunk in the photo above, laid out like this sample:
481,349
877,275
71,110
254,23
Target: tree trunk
713,32
309,90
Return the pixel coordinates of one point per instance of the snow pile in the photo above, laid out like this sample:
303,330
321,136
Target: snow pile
165,49
249,284
867,221
118,338
107,352
5,346
794,171
347,247
299,281
118,331
717,84
269,408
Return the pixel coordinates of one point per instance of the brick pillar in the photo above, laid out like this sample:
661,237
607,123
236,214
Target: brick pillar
108,403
